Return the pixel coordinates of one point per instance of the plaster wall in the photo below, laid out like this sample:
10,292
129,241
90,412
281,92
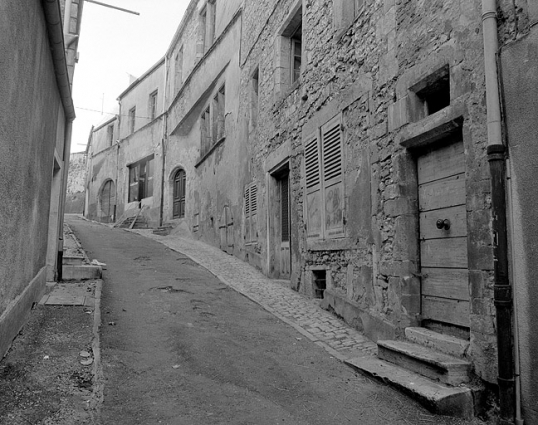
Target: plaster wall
29,92
76,182
138,95
214,182
100,136
520,86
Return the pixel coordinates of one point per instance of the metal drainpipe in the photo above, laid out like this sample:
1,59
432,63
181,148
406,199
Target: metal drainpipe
163,140
497,156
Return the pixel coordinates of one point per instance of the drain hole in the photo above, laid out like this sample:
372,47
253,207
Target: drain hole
319,279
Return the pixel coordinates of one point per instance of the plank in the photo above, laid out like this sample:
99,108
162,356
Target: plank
440,163
444,193
451,253
445,310
446,283
458,223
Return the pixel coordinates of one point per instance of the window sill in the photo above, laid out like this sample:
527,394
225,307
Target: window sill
329,244
210,151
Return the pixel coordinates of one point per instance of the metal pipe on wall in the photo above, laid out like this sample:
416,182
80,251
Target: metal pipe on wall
497,162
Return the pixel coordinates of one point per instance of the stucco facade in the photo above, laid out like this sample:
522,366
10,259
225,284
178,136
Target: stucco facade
36,113
520,81
341,147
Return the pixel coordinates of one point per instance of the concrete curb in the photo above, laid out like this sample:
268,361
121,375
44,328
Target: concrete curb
98,375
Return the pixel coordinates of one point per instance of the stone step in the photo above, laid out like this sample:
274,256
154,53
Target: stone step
425,361
436,397
440,342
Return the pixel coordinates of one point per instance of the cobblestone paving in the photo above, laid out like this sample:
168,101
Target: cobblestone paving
302,313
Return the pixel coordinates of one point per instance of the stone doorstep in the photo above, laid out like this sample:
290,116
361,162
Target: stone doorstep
71,272
425,361
444,343
436,397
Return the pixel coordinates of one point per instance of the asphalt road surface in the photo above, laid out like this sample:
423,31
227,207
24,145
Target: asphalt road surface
180,347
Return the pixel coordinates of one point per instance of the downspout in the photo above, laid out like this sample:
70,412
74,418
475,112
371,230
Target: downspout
163,140
497,163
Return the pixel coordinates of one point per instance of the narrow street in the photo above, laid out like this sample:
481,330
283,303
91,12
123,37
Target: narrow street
180,347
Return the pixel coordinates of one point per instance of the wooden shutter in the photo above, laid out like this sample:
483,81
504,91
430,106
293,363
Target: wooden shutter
313,187
247,214
253,212
333,186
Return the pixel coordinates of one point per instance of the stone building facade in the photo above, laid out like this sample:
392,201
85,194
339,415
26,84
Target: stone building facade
76,184
342,146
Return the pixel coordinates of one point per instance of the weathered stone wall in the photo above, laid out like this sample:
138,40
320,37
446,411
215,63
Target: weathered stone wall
365,73
76,181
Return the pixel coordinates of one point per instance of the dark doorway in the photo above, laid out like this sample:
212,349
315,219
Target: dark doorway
179,194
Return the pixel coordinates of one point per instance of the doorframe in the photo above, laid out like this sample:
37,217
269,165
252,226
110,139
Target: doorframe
275,163
414,145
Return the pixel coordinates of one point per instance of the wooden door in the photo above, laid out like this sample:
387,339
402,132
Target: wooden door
285,239
443,235
108,201
179,195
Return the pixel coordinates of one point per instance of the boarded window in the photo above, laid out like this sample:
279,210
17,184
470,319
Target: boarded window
141,179
324,187
251,213
178,65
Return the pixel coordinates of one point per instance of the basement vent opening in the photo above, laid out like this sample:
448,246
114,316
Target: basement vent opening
319,279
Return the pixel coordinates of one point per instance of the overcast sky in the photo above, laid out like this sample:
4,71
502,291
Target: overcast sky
112,45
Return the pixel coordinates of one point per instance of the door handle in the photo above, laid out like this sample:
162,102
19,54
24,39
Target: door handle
443,224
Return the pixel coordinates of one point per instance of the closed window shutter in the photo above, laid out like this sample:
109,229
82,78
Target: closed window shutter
253,212
247,214
333,186
313,187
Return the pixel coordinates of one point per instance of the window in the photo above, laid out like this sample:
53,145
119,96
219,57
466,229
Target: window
290,51
345,12
251,213
206,131
324,187
431,94
178,68
110,134
141,179
254,89
206,28
153,105
212,122
296,54
132,119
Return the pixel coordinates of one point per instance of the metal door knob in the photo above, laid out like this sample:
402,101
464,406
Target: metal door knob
443,224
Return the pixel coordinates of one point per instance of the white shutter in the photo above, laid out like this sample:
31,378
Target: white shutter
333,186
313,187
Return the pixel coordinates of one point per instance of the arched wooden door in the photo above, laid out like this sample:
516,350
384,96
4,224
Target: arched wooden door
108,201
179,194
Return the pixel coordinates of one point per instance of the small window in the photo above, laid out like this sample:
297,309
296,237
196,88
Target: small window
296,54
345,12
153,105
110,134
178,69
206,28
431,94
141,179
254,90
205,125
132,119
290,51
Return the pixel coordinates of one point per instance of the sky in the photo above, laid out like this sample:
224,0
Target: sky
112,45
